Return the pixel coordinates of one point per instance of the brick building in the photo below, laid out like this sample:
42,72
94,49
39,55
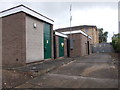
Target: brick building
27,36
88,29
60,45
79,43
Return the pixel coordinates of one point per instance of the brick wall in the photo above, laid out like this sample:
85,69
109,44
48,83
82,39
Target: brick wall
79,45
57,46
90,30
83,40
18,36
65,47
13,39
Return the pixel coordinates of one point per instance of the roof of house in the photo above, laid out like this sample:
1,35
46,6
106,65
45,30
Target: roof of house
76,27
27,10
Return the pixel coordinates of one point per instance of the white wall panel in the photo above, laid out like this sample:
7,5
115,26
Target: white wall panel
34,40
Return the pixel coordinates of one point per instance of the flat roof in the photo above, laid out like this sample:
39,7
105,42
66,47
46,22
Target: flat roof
76,31
60,34
27,10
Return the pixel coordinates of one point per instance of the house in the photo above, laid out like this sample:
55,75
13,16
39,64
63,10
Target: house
79,42
92,31
27,36
60,45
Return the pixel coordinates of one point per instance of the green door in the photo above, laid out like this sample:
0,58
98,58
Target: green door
61,46
47,41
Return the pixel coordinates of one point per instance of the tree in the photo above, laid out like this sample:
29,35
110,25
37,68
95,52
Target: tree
116,42
105,36
102,36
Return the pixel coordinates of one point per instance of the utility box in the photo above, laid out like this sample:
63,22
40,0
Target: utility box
79,42
26,36
60,45
90,30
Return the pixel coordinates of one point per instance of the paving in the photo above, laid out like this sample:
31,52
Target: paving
93,71
41,68
13,76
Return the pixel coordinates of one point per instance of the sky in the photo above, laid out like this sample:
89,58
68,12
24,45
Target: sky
101,14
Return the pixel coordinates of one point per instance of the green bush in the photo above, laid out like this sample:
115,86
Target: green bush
116,42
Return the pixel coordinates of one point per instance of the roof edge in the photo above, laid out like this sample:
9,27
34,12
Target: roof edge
76,31
61,34
26,10
78,26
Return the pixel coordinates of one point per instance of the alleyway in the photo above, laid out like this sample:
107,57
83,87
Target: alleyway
94,71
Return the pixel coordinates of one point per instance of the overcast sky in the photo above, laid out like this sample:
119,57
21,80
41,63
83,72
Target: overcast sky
102,14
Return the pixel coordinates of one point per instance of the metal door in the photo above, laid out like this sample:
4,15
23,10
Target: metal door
61,46
88,47
47,41
55,51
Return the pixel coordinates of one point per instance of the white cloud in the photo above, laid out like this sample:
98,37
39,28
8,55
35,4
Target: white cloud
105,18
103,15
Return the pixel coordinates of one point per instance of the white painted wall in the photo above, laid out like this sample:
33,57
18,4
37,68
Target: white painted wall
34,40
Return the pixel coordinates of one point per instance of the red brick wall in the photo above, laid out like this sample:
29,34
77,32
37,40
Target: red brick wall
79,45
76,46
83,40
13,45
92,31
65,47
57,46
